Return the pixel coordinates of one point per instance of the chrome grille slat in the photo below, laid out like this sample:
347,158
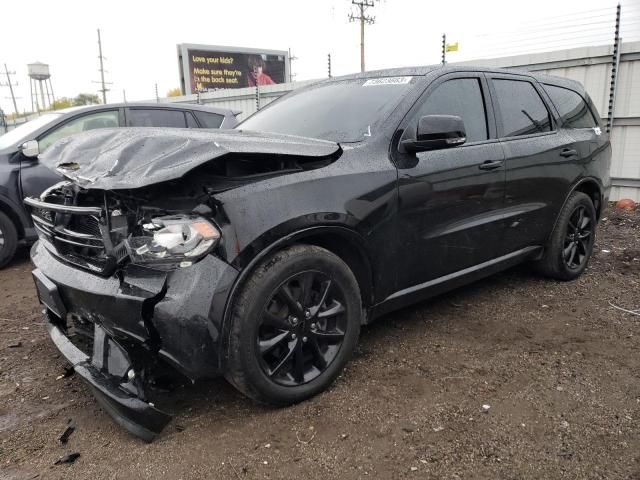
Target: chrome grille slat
76,237
78,244
85,236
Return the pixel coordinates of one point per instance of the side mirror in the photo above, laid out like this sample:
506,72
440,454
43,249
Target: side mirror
30,149
435,132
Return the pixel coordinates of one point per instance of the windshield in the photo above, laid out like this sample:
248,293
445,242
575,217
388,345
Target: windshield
342,111
24,132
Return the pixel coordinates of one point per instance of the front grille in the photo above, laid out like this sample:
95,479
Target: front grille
77,234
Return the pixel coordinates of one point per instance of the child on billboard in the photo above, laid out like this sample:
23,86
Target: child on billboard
256,72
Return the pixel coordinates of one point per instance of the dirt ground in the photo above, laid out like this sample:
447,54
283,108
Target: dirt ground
558,366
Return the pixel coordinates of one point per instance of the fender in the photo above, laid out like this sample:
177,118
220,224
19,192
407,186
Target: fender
274,246
574,187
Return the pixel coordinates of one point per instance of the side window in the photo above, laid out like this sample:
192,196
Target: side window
209,120
191,121
156,117
574,111
91,121
461,97
523,111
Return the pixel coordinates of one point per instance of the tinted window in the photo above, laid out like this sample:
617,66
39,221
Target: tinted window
82,124
209,120
572,108
461,97
523,111
152,117
341,111
191,121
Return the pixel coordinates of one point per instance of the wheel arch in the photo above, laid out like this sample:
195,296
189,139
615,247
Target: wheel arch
589,186
592,188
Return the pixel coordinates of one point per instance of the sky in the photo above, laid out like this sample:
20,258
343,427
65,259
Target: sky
139,37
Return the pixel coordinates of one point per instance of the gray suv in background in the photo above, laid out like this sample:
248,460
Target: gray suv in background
21,174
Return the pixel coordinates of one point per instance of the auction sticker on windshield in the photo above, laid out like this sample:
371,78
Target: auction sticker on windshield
387,81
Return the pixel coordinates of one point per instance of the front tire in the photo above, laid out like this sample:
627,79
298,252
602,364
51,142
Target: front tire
8,240
571,244
294,326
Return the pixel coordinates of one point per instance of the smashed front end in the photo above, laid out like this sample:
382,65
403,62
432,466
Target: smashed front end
131,294
131,263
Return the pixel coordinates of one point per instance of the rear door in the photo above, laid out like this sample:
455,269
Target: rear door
451,199
540,158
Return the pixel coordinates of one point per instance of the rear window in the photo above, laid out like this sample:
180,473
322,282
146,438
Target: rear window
209,120
573,110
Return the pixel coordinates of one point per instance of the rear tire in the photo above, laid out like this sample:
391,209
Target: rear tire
571,244
8,240
294,326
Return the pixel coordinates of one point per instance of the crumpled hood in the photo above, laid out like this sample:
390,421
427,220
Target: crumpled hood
128,158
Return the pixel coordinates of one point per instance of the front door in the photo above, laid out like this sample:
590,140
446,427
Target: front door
451,200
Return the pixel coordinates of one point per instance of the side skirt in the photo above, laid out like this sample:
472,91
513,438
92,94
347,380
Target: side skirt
417,293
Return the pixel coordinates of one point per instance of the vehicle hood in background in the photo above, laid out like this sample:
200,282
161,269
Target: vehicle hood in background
128,158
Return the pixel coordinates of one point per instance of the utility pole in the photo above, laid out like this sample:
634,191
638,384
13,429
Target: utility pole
444,48
157,97
329,64
363,19
104,89
124,95
10,85
291,59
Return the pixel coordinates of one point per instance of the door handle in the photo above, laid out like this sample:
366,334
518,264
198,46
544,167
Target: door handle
490,165
568,152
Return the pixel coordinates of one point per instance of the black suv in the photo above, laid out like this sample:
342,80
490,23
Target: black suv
258,256
21,174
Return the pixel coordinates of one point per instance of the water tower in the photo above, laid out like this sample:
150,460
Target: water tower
40,79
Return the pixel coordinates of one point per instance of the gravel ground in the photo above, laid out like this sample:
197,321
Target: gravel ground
557,365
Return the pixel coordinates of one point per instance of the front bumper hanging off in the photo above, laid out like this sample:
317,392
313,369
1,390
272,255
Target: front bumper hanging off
140,418
137,320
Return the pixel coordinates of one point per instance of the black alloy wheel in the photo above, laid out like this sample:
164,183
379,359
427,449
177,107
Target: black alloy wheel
293,326
577,243
569,247
302,328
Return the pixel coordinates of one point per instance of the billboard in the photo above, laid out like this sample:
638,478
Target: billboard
204,68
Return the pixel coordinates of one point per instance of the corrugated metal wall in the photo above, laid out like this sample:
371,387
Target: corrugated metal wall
589,65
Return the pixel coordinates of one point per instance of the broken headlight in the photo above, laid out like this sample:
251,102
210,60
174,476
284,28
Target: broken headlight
175,240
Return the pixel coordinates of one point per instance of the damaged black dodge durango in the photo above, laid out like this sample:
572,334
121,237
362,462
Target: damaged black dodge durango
258,253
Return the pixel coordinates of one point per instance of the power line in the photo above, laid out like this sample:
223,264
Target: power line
362,5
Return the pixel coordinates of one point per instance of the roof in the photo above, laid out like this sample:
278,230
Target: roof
424,70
